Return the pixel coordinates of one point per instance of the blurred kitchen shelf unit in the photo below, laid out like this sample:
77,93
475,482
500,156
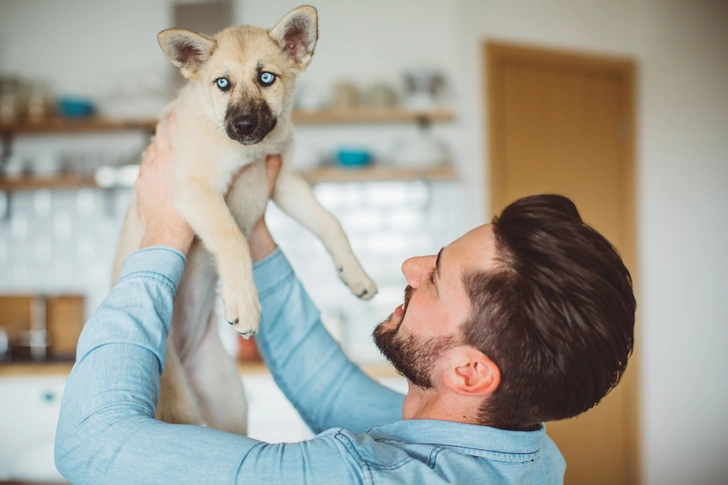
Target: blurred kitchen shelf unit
371,115
325,116
378,173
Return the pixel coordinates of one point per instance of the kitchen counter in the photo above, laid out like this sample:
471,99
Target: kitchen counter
18,369
16,482
35,368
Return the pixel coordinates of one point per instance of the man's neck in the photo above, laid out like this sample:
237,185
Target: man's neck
432,404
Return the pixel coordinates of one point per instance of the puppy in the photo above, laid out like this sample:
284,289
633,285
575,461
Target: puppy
235,110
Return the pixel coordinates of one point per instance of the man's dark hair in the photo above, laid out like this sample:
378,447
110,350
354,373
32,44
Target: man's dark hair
556,315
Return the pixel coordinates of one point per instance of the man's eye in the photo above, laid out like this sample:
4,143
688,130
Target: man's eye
267,78
222,83
432,276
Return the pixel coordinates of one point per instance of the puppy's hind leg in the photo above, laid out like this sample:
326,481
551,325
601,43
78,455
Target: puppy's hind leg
177,403
130,238
214,377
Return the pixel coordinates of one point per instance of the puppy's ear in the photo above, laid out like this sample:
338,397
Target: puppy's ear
296,34
187,50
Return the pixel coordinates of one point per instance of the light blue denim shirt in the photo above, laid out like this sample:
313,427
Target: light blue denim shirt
107,432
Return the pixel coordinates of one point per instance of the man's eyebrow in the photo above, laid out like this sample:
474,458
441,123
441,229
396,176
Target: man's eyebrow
437,263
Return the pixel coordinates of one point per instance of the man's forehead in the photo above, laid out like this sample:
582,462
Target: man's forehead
473,251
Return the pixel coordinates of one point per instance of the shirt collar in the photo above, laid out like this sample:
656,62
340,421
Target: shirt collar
467,438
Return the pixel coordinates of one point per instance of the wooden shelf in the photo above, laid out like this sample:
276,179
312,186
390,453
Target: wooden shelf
68,181
379,115
325,116
378,173
86,125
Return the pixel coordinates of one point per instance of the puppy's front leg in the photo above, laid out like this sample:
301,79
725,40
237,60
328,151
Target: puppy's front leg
294,196
204,209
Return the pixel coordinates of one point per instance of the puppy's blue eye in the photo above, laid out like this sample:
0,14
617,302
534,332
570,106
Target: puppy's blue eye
267,78
222,83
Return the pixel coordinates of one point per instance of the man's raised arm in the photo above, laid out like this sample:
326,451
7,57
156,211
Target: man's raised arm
327,389
107,432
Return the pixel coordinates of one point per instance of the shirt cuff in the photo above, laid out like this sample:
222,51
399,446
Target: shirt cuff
270,272
155,260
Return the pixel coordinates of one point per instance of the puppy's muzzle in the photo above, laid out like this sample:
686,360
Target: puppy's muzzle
249,126
243,128
245,125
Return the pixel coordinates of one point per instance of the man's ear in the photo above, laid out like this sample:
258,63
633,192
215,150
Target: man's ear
471,373
187,50
296,34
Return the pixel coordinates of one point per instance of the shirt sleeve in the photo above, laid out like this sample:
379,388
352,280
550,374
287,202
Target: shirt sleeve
107,432
327,389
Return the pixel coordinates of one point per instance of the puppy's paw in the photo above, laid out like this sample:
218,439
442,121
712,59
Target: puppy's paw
353,276
242,310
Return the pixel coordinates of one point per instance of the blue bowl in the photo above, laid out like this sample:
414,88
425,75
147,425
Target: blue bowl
353,158
75,107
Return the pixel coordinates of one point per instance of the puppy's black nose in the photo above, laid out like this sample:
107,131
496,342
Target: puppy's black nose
246,124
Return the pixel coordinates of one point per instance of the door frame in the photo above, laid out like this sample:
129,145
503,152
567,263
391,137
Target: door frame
497,55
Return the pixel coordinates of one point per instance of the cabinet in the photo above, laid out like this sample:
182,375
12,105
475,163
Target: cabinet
31,405
29,412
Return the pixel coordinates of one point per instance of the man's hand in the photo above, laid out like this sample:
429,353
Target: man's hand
164,225
154,187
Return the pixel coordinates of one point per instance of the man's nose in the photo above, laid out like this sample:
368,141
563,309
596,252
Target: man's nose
418,268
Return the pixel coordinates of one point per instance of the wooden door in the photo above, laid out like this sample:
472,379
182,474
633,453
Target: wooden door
563,123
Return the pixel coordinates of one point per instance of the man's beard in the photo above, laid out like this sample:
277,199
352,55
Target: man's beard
412,357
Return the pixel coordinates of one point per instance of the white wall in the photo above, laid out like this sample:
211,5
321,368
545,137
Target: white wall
683,239
77,44
682,52
680,48
368,41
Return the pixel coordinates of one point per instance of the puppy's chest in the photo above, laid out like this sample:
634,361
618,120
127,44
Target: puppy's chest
231,161
247,199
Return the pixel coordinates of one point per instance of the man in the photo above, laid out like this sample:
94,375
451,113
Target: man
521,321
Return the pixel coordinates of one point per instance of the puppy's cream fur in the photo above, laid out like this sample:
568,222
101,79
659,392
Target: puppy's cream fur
200,383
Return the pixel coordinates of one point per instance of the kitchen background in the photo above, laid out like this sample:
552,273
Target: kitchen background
59,238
